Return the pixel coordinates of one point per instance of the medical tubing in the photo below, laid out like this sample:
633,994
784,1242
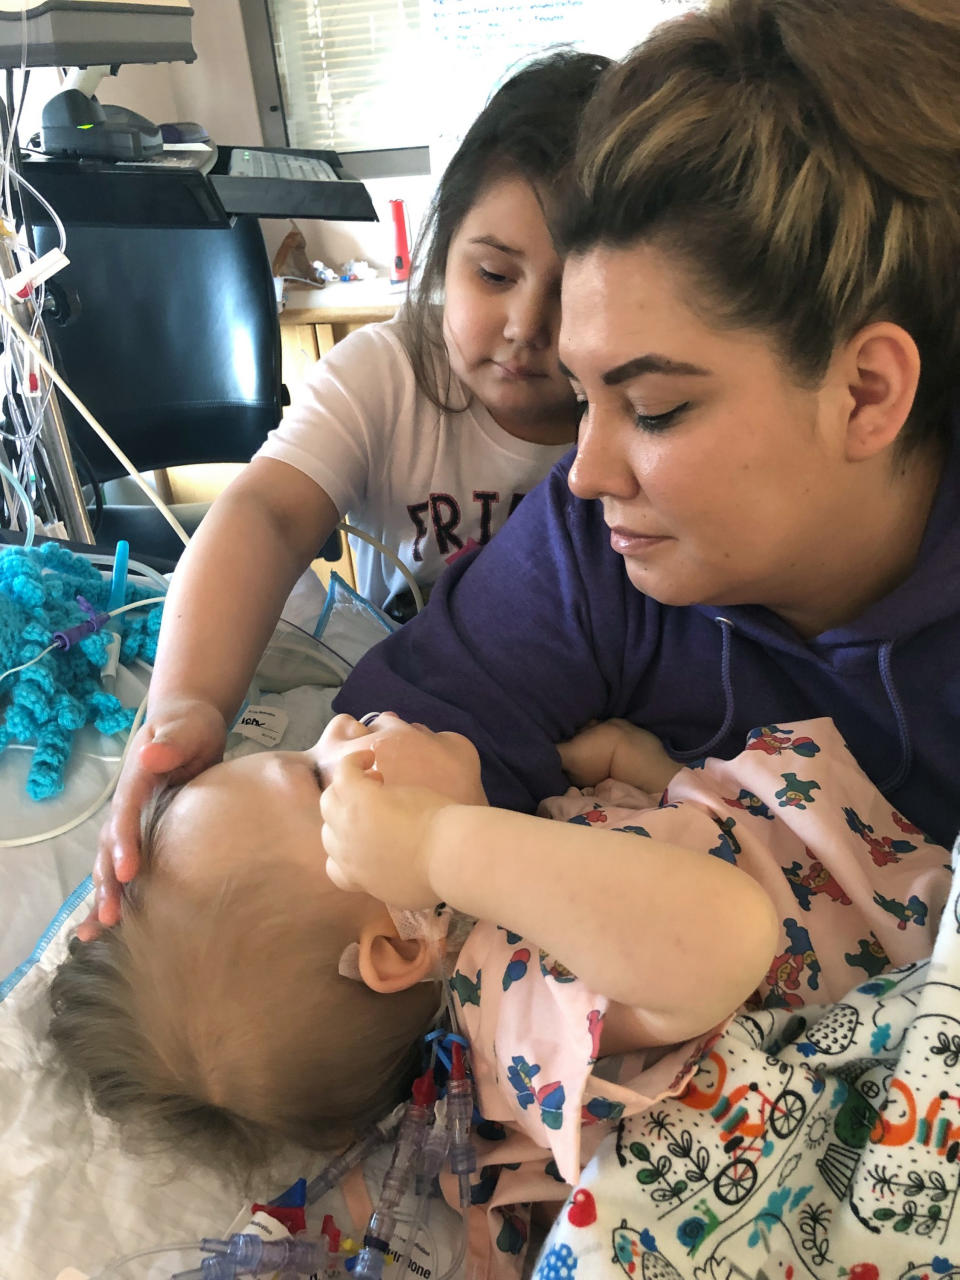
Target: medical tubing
337,1169
433,1151
21,493
459,1103
432,1156
377,545
100,431
112,1268
133,566
383,1220
246,1254
458,1257
415,1227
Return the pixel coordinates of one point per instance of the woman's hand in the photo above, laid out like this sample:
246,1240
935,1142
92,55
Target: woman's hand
181,739
377,836
617,749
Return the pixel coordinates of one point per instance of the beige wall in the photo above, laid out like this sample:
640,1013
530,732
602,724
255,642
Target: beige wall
216,90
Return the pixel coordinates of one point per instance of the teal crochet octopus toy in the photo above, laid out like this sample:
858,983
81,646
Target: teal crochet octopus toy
46,703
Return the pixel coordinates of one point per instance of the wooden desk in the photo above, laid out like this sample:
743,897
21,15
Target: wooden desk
313,320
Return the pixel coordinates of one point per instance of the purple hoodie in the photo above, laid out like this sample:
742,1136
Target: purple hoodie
541,631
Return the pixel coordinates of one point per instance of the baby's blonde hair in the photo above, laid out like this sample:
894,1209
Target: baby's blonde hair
801,158
225,1020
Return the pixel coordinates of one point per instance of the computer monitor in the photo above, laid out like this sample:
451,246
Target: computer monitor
80,33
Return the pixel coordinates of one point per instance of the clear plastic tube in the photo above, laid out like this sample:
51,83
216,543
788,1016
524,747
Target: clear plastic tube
368,1142
113,1268
383,1220
134,566
21,493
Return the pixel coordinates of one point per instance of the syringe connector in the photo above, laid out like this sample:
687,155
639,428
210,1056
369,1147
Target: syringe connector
376,1244
249,1255
432,1156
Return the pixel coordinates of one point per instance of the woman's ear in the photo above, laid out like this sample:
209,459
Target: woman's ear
882,372
389,963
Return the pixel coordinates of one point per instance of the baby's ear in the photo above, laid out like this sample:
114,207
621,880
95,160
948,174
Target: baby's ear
389,963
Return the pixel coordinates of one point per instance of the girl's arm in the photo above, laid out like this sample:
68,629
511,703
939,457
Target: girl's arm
680,935
223,603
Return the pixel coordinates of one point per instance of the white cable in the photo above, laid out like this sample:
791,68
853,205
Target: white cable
134,604
27,505
13,123
23,665
85,413
91,809
21,181
88,755
391,555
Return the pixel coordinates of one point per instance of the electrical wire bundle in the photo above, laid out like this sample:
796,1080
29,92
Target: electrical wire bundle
26,392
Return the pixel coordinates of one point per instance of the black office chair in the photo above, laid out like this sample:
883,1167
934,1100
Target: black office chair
172,341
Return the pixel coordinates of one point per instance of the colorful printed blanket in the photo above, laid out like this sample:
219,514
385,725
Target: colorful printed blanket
818,1143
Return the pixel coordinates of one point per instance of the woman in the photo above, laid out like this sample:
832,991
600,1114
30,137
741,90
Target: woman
760,313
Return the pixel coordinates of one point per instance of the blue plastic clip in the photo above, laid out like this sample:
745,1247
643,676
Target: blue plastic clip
118,583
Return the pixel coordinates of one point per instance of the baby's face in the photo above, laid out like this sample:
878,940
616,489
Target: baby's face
267,806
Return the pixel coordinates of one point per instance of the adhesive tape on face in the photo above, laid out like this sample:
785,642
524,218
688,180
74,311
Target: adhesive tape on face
71,1273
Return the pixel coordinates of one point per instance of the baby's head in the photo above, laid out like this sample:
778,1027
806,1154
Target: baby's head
216,1006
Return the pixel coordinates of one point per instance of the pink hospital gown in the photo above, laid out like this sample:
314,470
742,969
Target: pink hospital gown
858,889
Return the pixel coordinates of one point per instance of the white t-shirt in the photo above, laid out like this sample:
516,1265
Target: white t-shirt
425,482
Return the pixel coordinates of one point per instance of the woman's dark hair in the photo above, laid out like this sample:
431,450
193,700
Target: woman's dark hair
801,159
528,129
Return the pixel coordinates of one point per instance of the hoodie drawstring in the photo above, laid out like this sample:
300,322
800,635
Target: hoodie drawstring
729,702
906,747
884,653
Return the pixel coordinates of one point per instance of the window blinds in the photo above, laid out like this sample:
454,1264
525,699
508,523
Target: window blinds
361,75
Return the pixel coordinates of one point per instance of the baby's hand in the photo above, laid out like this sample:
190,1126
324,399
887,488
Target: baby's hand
377,837
617,749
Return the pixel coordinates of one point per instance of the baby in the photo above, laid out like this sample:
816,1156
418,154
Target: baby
218,1002
221,1001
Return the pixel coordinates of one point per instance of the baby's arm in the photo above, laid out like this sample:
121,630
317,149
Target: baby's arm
678,934
617,749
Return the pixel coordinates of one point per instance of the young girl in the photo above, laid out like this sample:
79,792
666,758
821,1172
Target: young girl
425,431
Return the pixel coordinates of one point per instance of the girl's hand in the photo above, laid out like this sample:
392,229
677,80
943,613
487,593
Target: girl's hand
617,749
376,836
180,740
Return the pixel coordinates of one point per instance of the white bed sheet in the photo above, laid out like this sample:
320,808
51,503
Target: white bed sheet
69,1194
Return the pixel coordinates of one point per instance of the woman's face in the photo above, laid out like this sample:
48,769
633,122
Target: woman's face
722,481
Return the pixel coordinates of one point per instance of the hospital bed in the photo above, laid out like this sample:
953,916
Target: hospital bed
71,1196
819,1143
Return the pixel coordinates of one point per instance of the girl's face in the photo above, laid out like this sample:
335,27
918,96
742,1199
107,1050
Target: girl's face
722,481
501,315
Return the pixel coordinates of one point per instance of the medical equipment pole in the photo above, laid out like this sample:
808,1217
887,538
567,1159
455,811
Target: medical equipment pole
53,435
